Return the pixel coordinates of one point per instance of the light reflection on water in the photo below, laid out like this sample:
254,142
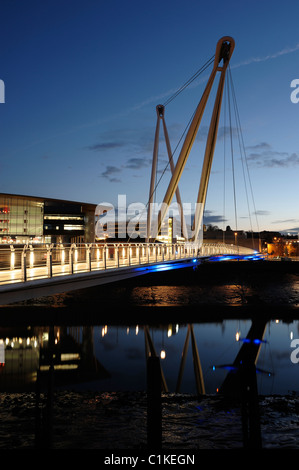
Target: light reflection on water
122,352
113,358
100,367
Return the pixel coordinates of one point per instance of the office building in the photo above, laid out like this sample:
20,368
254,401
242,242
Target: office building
29,219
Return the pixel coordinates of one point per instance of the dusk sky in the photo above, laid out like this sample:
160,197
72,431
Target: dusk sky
82,81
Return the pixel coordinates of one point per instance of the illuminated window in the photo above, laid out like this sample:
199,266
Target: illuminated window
63,217
69,356
73,227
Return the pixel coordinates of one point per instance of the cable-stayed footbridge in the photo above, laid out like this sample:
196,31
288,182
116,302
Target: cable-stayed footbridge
31,271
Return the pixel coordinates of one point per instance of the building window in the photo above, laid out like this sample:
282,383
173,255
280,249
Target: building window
73,227
63,217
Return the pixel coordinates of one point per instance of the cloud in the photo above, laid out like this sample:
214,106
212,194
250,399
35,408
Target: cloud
133,163
293,230
110,172
223,131
136,163
105,146
284,221
265,157
208,218
128,140
260,212
261,146
286,161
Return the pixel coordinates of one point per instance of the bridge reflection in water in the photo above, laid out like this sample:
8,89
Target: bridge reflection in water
112,358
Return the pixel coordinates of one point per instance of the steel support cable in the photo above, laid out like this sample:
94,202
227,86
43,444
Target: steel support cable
191,79
241,153
238,127
245,156
182,88
232,155
224,163
211,140
171,98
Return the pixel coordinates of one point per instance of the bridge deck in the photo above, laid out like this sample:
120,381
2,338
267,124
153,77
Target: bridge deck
31,273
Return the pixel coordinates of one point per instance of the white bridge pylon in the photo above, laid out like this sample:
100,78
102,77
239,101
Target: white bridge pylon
224,50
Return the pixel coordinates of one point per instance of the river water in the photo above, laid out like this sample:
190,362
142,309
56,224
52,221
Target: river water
74,366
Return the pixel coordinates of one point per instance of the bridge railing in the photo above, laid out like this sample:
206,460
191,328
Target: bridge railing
224,248
23,263
29,262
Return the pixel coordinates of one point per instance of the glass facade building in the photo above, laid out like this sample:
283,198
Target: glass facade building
28,219
21,219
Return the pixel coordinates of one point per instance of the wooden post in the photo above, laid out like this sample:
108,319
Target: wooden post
71,260
105,256
250,408
24,264
154,403
88,257
49,261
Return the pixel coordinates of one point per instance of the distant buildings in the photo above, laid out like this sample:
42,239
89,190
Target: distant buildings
234,237
272,243
283,246
109,228
29,219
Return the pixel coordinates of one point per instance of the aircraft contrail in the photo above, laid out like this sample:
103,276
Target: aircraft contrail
286,50
157,98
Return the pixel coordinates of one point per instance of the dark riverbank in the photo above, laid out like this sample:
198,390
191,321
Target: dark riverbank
118,421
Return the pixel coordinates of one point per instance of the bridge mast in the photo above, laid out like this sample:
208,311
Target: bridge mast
224,50
160,109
